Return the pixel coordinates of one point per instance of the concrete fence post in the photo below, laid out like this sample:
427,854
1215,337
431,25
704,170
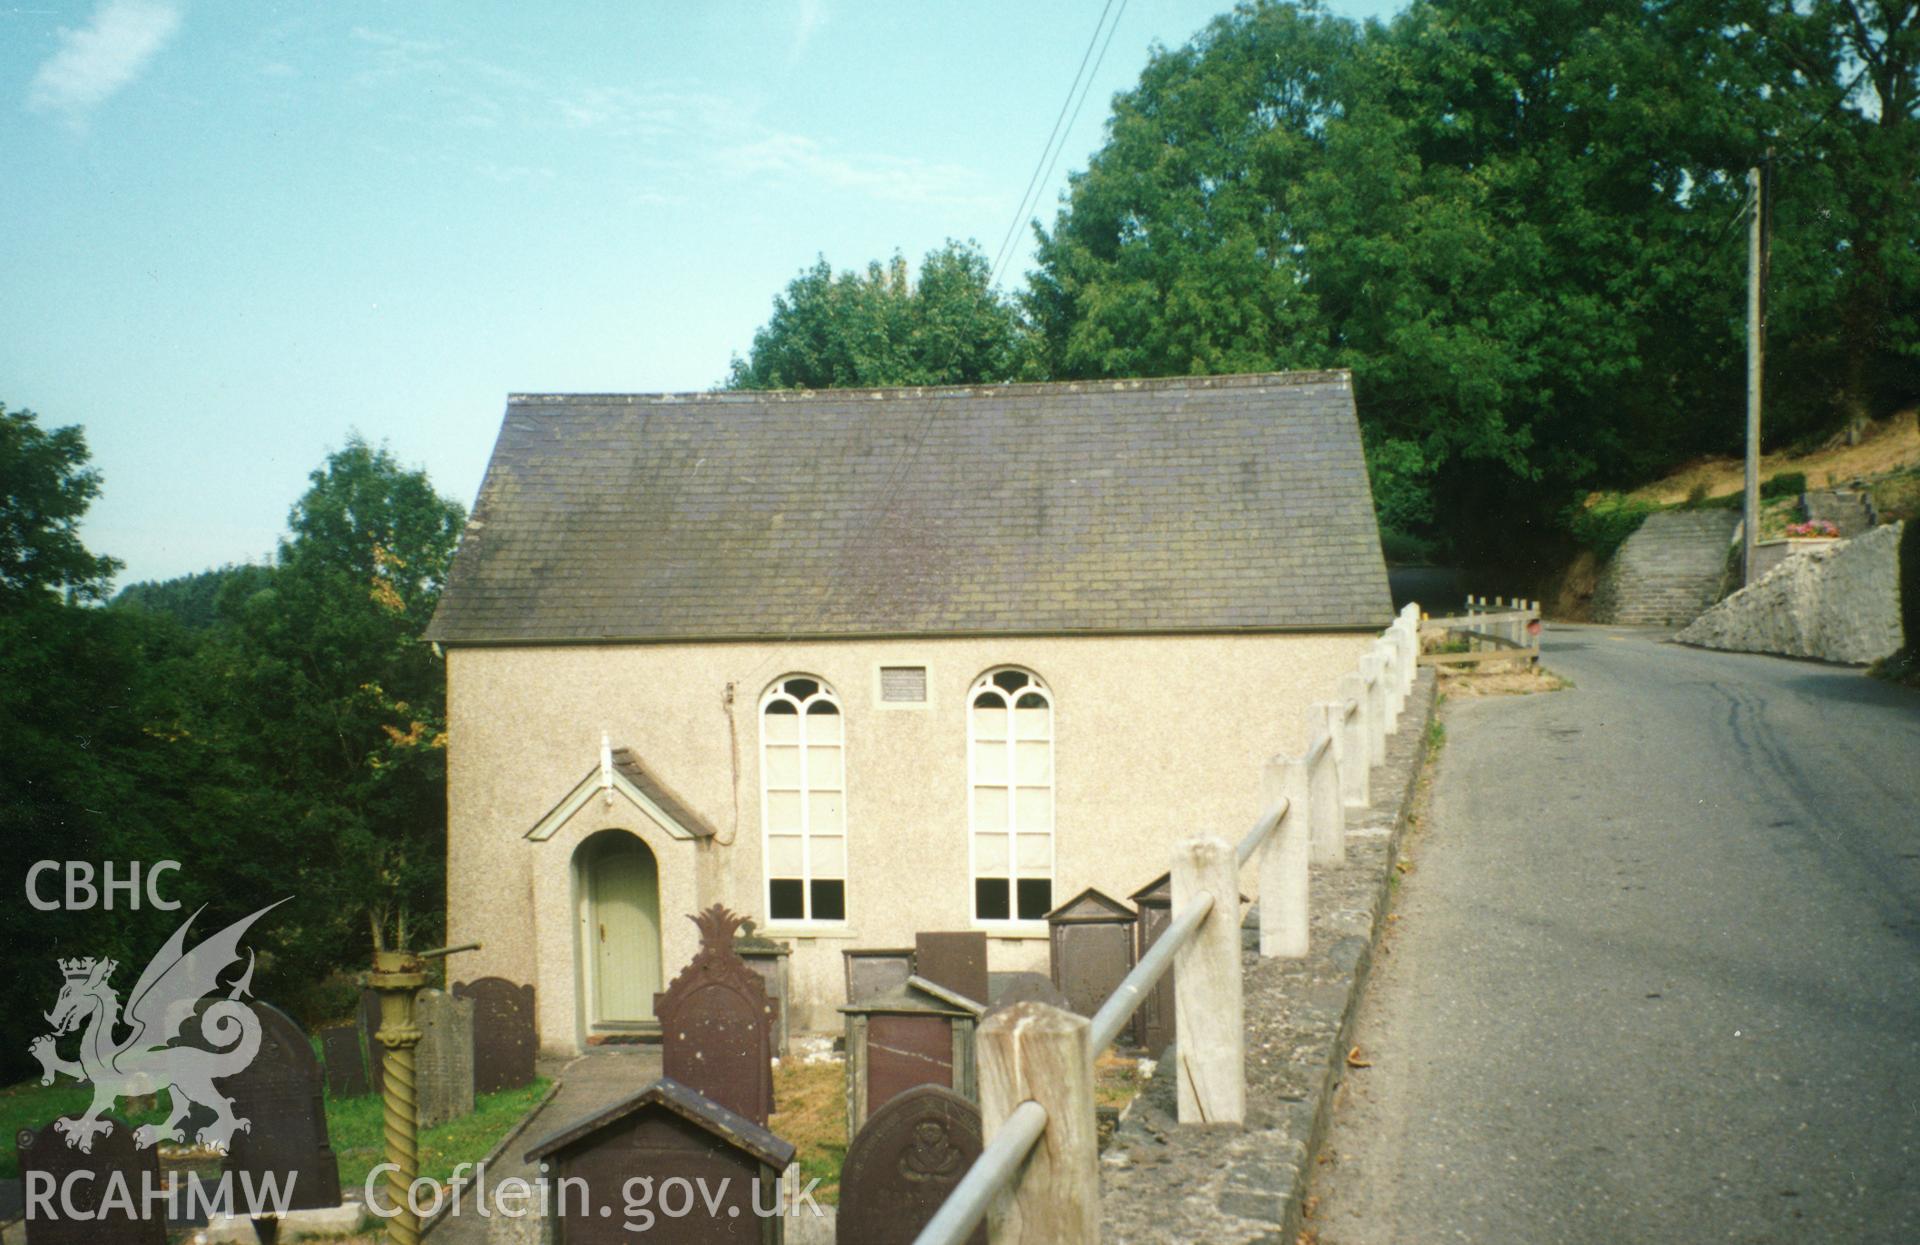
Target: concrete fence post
1327,816
1356,787
1031,1050
1283,864
1209,1024
1376,709
1390,683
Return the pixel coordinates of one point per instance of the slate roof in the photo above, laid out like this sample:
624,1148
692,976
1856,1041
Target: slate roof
1202,504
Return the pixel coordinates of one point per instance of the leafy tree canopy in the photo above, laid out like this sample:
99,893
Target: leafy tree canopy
45,489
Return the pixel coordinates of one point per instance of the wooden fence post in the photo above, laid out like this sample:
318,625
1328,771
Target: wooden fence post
1208,1026
1283,864
1326,814
1356,790
1031,1050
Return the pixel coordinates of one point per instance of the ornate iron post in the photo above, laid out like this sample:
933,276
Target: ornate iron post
395,976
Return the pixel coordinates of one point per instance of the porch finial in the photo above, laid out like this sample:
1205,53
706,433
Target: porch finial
606,768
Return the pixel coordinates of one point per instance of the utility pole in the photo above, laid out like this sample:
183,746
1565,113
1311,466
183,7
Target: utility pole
1759,243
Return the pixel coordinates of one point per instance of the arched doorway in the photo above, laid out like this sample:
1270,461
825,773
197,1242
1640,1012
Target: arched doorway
618,884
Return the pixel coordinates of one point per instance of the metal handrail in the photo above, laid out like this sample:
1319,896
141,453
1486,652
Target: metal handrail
1244,850
1318,748
999,1160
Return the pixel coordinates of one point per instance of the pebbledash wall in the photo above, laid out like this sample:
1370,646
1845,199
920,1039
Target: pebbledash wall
1156,737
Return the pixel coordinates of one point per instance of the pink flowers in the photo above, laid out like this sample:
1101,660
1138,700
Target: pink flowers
1813,529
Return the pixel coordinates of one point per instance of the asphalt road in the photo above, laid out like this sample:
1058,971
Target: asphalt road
1656,974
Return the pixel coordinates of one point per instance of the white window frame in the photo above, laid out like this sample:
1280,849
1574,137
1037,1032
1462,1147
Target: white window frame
776,691
1012,923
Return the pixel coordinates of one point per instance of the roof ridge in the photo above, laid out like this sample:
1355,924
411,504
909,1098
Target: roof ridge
1233,380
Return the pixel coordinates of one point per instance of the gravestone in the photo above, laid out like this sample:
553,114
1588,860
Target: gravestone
369,1029
904,1163
715,1031
504,1043
876,970
769,959
1153,1019
956,961
45,1155
346,1065
1006,989
917,1034
665,1133
278,1094
1090,938
443,1062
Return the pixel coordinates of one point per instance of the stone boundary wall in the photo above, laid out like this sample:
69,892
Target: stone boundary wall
1667,573
1160,1182
1839,604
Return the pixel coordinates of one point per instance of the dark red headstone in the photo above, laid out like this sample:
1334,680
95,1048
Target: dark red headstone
1153,1019
904,1163
278,1095
956,961
346,1063
905,1051
504,1044
715,1031
106,1216
1090,938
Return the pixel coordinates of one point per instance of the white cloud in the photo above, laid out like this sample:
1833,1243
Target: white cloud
97,60
812,16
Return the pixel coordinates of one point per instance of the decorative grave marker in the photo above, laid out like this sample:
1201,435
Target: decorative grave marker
1153,1021
918,1034
443,1062
369,1031
1090,938
666,1132
769,959
346,1065
876,970
957,962
903,1165
278,1094
45,1156
504,1042
715,1024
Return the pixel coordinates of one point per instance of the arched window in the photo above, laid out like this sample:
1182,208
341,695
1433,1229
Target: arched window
1010,769
803,788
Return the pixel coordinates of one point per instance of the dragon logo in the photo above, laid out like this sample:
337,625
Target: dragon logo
138,1053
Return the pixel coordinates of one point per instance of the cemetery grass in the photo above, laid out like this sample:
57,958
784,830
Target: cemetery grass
33,1105
355,1131
812,1101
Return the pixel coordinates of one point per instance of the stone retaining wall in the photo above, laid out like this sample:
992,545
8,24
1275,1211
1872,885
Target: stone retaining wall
1839,604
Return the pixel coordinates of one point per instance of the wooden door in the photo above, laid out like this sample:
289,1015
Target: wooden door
623,924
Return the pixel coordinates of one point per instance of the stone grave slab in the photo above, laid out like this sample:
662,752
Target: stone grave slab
504,1042
904,1163
346,1063
443,1062
876,970
1090,944
957,961
716,1034
768,958
279,1095
369,1031
45,1155
918,1034
1153,1019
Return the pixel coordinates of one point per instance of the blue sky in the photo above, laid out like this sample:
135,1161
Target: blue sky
233,233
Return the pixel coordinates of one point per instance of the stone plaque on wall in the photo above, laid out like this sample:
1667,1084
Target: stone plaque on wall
279,1095
904,1163
443,1062
504,1044
957,961
346,1063
716,1024
45,1155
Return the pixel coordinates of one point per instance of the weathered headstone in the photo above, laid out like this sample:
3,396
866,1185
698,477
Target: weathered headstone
369,1030
768,958
102,1216
918,1034
876,970
346,1063
504,1044
278,1094
1153,1019
665,1133
956,961
443,1062
1006,989
904,1163
1090,938
716,1034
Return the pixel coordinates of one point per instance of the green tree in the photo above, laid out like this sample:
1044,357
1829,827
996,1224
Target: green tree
45,489
882,328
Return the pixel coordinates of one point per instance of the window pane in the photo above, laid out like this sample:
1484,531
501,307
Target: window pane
786,900
800,689
783,765
1036,898
989,808
990,899
823,709
783,855
1036,853
781,708
989,853
829,900
1011,680
823,810
829,856
824,768
781,728
1034,761
783,812
989,722
1032,723
1034,807
823,730
990,761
